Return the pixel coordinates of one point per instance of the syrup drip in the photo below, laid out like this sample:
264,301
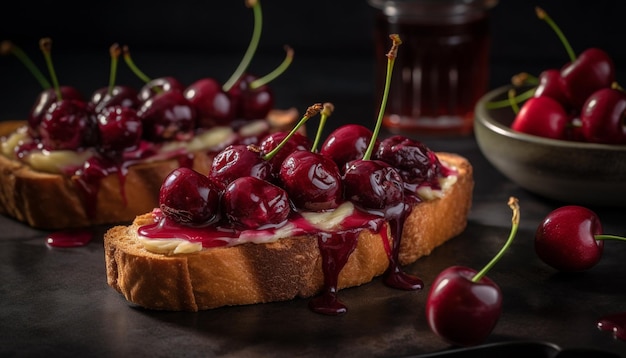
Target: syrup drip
335,249
615,323
70,238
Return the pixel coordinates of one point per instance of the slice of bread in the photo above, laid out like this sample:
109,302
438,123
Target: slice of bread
288,268
52,201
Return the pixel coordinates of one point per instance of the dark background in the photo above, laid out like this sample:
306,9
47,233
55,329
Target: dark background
332,40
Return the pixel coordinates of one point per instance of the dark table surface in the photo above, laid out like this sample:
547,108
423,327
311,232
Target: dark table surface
56,301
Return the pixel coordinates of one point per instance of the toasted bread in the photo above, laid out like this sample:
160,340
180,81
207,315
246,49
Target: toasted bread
285,269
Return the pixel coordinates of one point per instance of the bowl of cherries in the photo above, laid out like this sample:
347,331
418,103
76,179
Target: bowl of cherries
561,134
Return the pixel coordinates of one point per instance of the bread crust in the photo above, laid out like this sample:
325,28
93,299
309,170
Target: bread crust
286,269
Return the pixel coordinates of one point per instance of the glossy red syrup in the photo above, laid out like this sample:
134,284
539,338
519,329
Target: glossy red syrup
70,238
616,323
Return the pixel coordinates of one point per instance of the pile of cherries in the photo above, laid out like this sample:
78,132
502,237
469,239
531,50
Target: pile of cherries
579,102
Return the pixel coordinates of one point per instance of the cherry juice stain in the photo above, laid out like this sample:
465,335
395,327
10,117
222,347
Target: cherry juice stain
70,238
616,323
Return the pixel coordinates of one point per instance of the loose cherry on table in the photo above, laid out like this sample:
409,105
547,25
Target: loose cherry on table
570,239
463,306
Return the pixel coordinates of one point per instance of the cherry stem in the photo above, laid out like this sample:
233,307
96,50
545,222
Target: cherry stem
7,47
252,46
609,237
276,72
541,14
129,61
327,110
46,45
524,78
312,111
391,59
514,205
507,102
512,100
115,52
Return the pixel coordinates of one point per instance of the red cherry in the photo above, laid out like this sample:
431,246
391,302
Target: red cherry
253,203
189,198
346,143
566,240
120,128
312,181
67,124
159,85
124,96
462,311
541,116
43,102
296,142
463,306
214,106
551,84
592,70
603,117
236,161
168,116
251,103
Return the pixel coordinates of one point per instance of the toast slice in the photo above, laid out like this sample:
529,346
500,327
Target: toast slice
285,269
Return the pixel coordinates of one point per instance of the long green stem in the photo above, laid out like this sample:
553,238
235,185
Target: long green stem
252,46
8,47
115,52
609,237
514,205
541,14
276,72
507,102
310,112
46,45
391,59
327,110
129,61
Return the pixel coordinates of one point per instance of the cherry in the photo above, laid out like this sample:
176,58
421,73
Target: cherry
463,306
592,70
214,106
603,118
67,124
189,198
296,142
168,116
312,181
570,238
541,116
43,102
120,129
346,143
236,161
551,85
253,203
152,87
416,163
251,102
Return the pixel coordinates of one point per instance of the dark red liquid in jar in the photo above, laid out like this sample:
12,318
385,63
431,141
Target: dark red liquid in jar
441,71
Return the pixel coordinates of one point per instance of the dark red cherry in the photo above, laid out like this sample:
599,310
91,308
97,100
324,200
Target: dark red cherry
551,84
312,181
253,203
415,162
296,142
462,311
542,116
374,186
346,143
159,85
214,106
592,70
67,124
189,198
251,103
120,128
236,161
119,95
603,118
43,101
566,240
168,116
